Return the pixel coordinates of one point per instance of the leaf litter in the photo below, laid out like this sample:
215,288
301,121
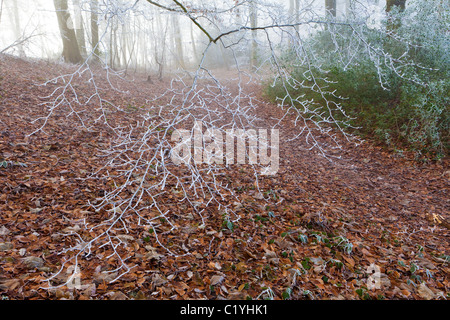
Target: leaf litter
313,233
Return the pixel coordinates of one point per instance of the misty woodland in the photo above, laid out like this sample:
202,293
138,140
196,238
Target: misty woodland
224,150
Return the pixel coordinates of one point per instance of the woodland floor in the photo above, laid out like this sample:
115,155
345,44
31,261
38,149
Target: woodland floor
314,233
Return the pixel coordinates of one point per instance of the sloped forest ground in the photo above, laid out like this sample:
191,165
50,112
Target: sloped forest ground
318,230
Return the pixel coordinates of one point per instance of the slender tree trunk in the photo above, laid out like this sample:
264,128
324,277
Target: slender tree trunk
114,59
110,51
194,47
1,10
94,29
115,44
123,46
131,44
71,51
161,62
17,28
142,53
291,20
79,28
253,24
178,42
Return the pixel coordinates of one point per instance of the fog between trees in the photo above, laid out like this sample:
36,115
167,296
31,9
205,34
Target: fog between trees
157,36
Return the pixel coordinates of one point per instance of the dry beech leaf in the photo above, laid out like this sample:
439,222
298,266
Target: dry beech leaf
152,253
118,296
157,280
4,231
216,279
424,292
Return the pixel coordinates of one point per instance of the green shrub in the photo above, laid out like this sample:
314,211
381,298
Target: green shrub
400,99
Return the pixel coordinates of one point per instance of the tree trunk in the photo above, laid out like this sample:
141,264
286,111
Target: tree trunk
253,24
79,28
71,51
94,29
17,28
194,47
114,58
160,56
123,46
1,10
178,43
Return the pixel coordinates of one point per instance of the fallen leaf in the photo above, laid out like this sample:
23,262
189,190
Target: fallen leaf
5,246
11,284
118,296
350,260
157,280
33,262
104,276
216,279
152,253
425,292
4,231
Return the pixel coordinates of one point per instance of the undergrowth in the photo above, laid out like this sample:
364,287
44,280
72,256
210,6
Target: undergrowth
404,107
